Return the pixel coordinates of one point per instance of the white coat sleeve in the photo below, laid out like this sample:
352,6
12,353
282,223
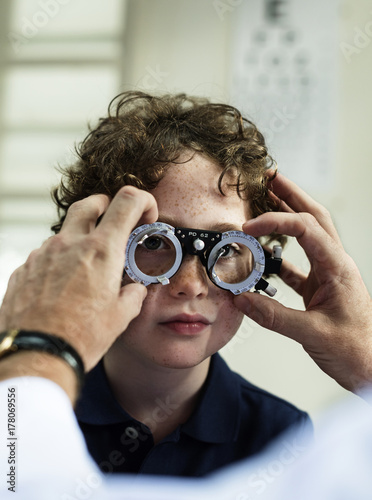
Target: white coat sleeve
41,447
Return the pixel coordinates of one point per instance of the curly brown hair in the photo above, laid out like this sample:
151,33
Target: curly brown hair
143,135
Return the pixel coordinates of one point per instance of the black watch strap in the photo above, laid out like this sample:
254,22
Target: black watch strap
24,340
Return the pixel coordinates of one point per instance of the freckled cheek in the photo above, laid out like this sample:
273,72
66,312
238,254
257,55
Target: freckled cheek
229,316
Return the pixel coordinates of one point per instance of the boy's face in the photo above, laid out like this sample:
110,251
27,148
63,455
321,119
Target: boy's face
185,322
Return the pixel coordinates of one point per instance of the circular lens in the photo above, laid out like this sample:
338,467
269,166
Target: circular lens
237,262
155,255
234,264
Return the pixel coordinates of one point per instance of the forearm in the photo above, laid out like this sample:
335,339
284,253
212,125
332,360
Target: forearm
39,364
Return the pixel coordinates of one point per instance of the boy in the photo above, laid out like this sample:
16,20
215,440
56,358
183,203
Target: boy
162,401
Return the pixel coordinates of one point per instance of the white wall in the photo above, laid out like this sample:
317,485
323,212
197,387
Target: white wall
184,40
184,46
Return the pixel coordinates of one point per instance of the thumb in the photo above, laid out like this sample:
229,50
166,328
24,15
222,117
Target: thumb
270,314
130,302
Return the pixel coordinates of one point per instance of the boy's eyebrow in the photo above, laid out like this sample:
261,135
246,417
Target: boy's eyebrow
220,227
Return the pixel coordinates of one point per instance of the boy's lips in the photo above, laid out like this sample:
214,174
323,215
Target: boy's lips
186,324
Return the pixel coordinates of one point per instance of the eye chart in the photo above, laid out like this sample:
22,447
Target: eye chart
284,78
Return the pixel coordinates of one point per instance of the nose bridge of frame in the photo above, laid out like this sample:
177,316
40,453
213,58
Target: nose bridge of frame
197,242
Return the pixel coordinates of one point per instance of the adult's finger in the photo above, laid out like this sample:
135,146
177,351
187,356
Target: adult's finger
283,207
131,299
299,201
272,315
129,207
317,243
81,217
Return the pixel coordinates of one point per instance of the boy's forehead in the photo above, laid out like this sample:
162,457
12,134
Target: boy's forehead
196,171
208,225
190,191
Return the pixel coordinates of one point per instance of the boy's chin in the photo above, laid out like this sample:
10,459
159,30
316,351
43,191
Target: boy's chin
182,361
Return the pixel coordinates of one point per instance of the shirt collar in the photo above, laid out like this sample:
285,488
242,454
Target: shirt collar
215,419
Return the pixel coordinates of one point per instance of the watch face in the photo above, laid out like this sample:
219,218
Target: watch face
6,341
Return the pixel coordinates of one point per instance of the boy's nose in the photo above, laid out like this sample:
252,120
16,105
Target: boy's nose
191,279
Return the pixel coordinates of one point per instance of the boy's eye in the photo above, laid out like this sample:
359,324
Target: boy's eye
230,251
154,243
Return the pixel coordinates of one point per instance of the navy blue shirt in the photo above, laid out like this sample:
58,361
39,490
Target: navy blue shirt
233,420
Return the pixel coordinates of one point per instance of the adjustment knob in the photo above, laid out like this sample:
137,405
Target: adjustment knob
198,244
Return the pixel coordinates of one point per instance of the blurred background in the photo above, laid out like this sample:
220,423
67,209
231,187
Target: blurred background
302,70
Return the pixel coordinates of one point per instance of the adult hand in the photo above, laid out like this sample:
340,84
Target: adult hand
71,286
335,328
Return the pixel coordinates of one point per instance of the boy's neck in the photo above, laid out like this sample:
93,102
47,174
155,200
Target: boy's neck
162,398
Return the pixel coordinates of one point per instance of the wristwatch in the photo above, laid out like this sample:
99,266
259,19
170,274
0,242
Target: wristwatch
15,340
